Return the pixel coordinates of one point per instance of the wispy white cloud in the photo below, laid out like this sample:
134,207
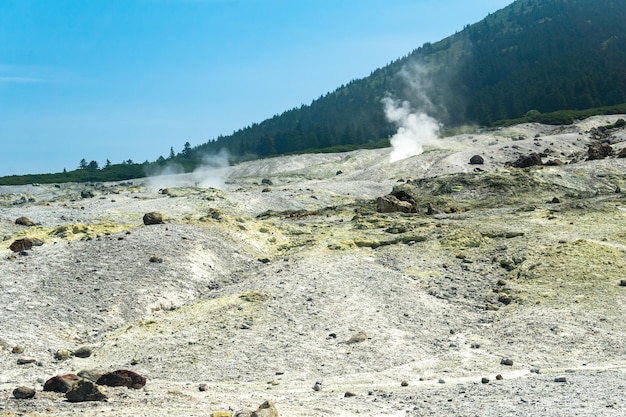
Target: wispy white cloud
22,80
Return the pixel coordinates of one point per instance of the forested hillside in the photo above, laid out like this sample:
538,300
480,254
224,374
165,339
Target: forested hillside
543,55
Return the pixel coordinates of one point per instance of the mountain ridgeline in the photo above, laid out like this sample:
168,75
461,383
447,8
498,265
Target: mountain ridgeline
533,56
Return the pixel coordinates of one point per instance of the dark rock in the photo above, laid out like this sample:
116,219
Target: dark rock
86,194
477,160
267,181
61,383
404,383
349,394
317,386
23,393
560,379
622,283
554,163
267,409
83,352
599,151
339,172
25,244
25,361
122,378
485,380
266,190
156,260
526,161
499,377
203,387
153,218
622,153
392,204
24,221
507,362
86,390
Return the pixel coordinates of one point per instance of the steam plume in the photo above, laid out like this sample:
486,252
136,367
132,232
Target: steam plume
211,174
415,129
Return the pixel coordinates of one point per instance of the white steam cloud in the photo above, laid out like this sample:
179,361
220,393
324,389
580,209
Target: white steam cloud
211,174
415,129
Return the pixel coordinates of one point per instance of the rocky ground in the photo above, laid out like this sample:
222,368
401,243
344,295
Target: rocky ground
498,292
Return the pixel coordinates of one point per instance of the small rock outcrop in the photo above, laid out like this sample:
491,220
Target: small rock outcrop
86,390
599,151
61,383
392,204
526,161
153,218
122,378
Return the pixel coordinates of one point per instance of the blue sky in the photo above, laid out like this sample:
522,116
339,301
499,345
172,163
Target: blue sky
120,79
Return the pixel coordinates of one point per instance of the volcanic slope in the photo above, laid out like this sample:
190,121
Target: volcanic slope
291,277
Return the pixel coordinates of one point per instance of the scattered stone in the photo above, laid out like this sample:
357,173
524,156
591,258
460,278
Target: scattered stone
266,190
349,394
357,338
499,377
535,371
122,378
507,362
622,283
560,379
23,393
25,244
153,218
491,307
86,390
526,161
267,181
62,355
264,260
484,380
339,172
477,160
203,387
267,409
317,386
622,153
91,374
221,414
244,413
404,383
25,360
86,194
441,381
24,221
83,352
17,349
156,260
555,200
61,383
392,204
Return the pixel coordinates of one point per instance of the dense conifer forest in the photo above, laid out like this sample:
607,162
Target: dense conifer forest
548,61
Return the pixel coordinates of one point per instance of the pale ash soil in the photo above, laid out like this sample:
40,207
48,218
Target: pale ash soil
428,291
